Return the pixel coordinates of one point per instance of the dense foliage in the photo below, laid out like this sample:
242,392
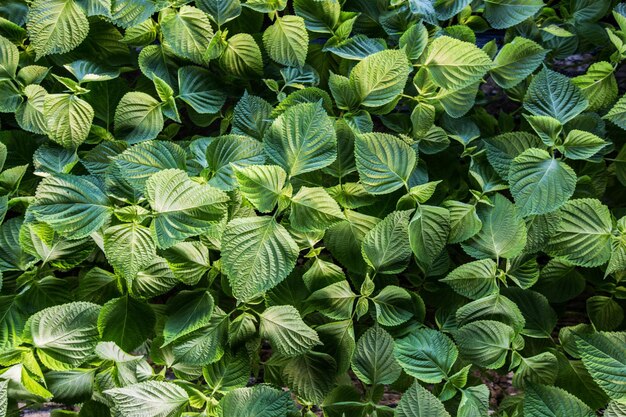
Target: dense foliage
203,202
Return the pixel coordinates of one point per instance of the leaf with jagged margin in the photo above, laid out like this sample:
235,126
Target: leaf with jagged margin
428,234
492,307
220,11
475,279
129,247
503,149
228,152
384,162
126,321
555,95
30,114
545,401
584,233
182,207
232,371
379,78
426,354
65,335
56,26
302,139
72,205
373,360
9,59
311,375
417,401
257,254
599,85
149,399
313,209
261,185
579,144
617,114
242,56
485,342
251,116
187,32
386,247
286,331
138,117
287,40
256,401
456,64
68,119
320,16
604,356
198,90
516,61
540,183
394,306
464,221
188,311
502,14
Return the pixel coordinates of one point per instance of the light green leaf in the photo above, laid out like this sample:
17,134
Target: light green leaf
584,233
502,14
539,369
485,342
199,91
182,207
545,401
493,307
373,360
68,119
129,247
261,185
379,78
503,234
242,56
319,16
288,334
302,139
138,117
517,59
386,247
474,280
553,94
428,234
65,335
417,401
579,144
187,32
232,371
426,354
126,321
257,254
30,114
220,11
228,152
9,59
456,64
539,183
617,114
313,209
151,398
257,401
464,221
73,206
598,85
56,26
287,41
384,162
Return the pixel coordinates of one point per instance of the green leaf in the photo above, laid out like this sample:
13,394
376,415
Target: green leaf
428,234
464,221
56,26
417,401
394,306
555,95
503,234
38,239
517,59
182,207
502,14
485,342
311,375
151,398
539,183
138,117
373,362
12,321
617,114
257,254
302,139
584,233
30,114
257,401
187,32
127,13
230,372
474,280
9,59
286,331
544,401
228,152
335,301
604,312
386,247
220,11
188,311
261,185
579,144
126,321
242,56
379,78
68,119
199,91
287,41
384,162
10,98
73,206
129,247
502,149
455,64
65,335
604,356
539,369
598,85
203,346
313,209
319,16
426,354
493,307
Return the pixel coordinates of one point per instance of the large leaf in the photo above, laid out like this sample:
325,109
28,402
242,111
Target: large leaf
384,162
544,401
604,356
286,331
56,26
386,247
485,342
126,321
151,398
502,14
539,183
182,207
553,94
138,117
516,60
417,401
474,280
287,41
68,119
228,152
313,209
456,64
65,335
302,139
428,234
9,59
129,248
189,311
426,354
257,254
187,32
73,206
257,401
373,360
220,11
199,91
261,185
378,79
